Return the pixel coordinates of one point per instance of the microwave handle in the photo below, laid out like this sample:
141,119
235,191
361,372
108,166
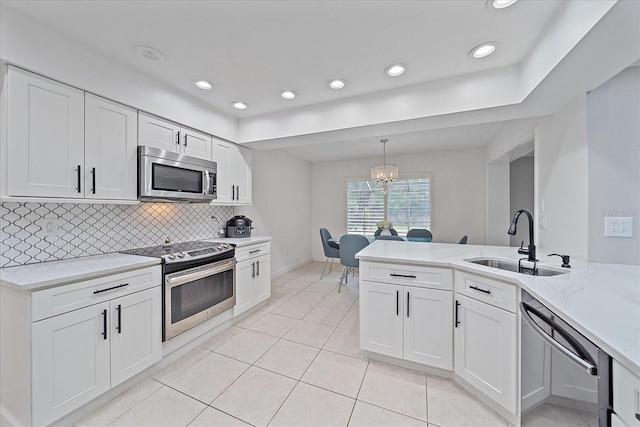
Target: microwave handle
205,174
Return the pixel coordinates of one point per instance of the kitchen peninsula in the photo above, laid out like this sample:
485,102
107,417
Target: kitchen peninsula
601,301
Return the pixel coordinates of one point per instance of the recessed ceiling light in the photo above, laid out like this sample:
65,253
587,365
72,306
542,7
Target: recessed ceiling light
395,70
288,94
501,4
337,83
149,53
483,50
203,84
239,105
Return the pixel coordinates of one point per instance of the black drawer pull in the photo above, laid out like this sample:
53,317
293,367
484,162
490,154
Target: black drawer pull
408,276
475,288
99,291
256,251
119,327
104,324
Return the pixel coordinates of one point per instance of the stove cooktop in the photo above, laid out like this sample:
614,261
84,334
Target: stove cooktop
185,251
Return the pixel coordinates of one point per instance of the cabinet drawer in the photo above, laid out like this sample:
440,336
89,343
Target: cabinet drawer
252,251
425,277
54,301
494,292
626,395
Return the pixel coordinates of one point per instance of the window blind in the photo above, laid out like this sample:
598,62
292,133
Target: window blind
409,204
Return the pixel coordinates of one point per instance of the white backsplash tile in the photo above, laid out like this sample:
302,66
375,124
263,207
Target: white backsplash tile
91,229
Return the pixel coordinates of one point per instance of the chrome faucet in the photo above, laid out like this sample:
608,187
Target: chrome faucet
531,249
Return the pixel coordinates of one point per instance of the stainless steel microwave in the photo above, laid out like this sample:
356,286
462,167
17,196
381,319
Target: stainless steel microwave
167,176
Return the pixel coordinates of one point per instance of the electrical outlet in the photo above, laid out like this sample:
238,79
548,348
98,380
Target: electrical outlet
50,226
542,221
618,226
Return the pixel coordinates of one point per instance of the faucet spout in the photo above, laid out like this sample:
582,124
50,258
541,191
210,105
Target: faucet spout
531,249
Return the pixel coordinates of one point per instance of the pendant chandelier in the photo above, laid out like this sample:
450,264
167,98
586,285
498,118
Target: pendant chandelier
384,174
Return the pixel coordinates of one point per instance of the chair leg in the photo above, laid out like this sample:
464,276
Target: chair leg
324,267
330,265
344,272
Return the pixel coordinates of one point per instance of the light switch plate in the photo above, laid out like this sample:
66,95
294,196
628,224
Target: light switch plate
618,226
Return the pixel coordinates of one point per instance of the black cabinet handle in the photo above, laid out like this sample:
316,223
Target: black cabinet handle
233,192
119,310
258,268
237,192
104,324
93,179
408,304
402,275
99,291
253,270
475,288
79,188
457,320
185,139
397,303
178,138
256,251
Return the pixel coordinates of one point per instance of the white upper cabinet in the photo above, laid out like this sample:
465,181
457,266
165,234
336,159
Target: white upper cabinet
64,143
234,173
45,137
110,150
165,135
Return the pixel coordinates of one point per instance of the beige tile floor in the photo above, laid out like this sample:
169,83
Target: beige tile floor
295,362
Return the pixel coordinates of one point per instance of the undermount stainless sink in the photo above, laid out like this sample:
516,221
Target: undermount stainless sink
513,266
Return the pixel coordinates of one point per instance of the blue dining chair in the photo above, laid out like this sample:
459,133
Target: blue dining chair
350,245
387,237
330,247
419,235
463,240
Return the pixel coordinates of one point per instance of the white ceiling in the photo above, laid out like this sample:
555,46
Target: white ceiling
252,50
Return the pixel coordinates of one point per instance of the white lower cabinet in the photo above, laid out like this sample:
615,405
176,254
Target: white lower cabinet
253,276
407,322
71,343
485,349
626,397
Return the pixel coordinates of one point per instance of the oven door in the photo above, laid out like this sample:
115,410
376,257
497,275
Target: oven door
195,295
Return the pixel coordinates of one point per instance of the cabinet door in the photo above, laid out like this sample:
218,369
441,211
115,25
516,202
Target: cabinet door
158,133
45,137
136,333
262,281
381,318
196,144
485,350
222,152
110,150
70,356
241,175
245,272
428,336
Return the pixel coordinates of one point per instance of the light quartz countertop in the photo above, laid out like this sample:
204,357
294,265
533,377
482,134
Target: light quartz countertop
241,241
601,301
34,277
38,276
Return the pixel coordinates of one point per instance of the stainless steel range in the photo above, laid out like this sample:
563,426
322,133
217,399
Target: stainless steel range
198,282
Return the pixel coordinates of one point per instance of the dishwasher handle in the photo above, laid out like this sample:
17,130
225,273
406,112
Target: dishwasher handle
581,355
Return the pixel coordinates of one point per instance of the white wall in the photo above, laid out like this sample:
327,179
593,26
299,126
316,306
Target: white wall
561,172
521,195
613,133
281,206
458,199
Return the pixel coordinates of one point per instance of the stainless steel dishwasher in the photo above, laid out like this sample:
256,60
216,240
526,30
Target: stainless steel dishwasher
565,378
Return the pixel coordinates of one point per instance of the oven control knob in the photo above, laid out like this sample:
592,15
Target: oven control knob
225,245
171,256
180,254
220,247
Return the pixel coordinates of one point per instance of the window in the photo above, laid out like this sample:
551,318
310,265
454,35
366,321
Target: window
408,202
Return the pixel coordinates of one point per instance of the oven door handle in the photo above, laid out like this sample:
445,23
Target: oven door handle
205,173
181,279
583,358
